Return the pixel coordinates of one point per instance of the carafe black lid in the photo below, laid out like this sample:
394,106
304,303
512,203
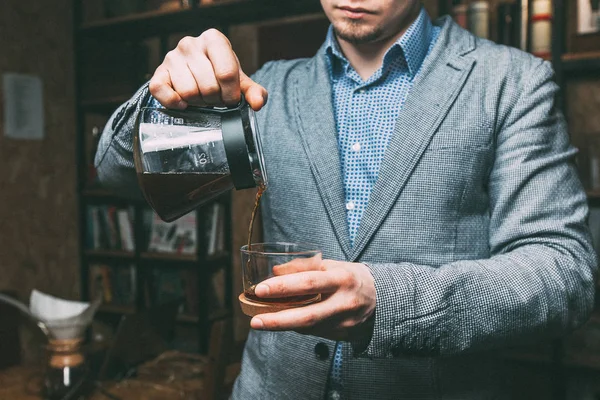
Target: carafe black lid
236,136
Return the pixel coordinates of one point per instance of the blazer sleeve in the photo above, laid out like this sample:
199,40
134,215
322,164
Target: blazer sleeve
114,157
539,279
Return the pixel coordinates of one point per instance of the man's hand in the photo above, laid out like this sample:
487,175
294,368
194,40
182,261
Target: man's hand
346,309
204,70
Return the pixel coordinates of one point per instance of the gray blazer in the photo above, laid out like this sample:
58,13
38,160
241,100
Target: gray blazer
475,231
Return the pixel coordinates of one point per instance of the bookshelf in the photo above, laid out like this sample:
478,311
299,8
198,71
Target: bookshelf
218,13
113,57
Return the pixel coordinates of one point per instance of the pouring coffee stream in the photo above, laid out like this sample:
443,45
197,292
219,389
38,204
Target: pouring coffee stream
184,159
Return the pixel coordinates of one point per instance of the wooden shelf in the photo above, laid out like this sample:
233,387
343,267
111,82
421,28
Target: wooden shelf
587,361
219,314
174,257
190,319
116,309
105,195
581,62
103,104
153,23
593,196
213,316
188,258
128,255
218,257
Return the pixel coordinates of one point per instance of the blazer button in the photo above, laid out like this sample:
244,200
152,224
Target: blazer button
322,351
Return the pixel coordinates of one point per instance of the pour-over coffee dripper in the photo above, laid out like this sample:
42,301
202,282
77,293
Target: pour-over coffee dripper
63,323
184,159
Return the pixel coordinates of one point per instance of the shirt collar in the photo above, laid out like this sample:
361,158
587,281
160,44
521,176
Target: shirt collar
414,43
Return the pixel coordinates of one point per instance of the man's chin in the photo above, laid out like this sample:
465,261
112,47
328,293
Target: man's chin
357,34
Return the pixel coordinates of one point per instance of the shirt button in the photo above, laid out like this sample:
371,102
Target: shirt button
361,91
350,205
335,395
356,146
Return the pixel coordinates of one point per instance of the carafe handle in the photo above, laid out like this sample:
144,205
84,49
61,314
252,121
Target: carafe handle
220,110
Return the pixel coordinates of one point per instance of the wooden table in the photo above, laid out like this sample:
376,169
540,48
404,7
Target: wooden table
24,383
14,383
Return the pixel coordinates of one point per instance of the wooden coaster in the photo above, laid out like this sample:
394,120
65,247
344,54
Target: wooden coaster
252,308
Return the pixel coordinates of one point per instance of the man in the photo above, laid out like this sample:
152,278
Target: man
435,173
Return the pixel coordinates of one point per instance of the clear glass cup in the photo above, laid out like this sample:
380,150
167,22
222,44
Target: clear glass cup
258,263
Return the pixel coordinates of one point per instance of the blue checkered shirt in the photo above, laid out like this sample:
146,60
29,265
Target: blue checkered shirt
365,114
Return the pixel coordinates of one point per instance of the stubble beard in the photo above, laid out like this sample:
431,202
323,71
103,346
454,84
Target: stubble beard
357,33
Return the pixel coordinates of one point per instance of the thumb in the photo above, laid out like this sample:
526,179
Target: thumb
255,95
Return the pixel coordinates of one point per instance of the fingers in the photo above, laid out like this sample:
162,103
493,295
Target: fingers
294,318
204,70
225,66
300,265
183,80
162,90
298,284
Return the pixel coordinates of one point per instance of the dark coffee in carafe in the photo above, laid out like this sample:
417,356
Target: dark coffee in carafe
174,194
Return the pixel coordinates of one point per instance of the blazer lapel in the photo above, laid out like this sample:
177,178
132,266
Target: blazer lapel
437,85
316,120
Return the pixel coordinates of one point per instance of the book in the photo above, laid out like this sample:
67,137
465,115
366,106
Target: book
185,234
212,229
221,231
93,228
459,13
478,18
126,230
190,279
93,125
218,290
588,16
541,28
162,235
174,237
90,232
110,228
524,25
123,284
115,283
167,285
113,230
147,221
100,283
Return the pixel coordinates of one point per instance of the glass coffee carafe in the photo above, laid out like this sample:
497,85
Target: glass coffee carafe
186,158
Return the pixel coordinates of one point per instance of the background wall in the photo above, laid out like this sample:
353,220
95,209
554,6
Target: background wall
38,208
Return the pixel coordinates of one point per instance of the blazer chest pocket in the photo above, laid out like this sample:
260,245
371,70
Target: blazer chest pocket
461,137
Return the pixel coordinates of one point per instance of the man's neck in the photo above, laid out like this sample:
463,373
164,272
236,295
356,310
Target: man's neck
366,58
